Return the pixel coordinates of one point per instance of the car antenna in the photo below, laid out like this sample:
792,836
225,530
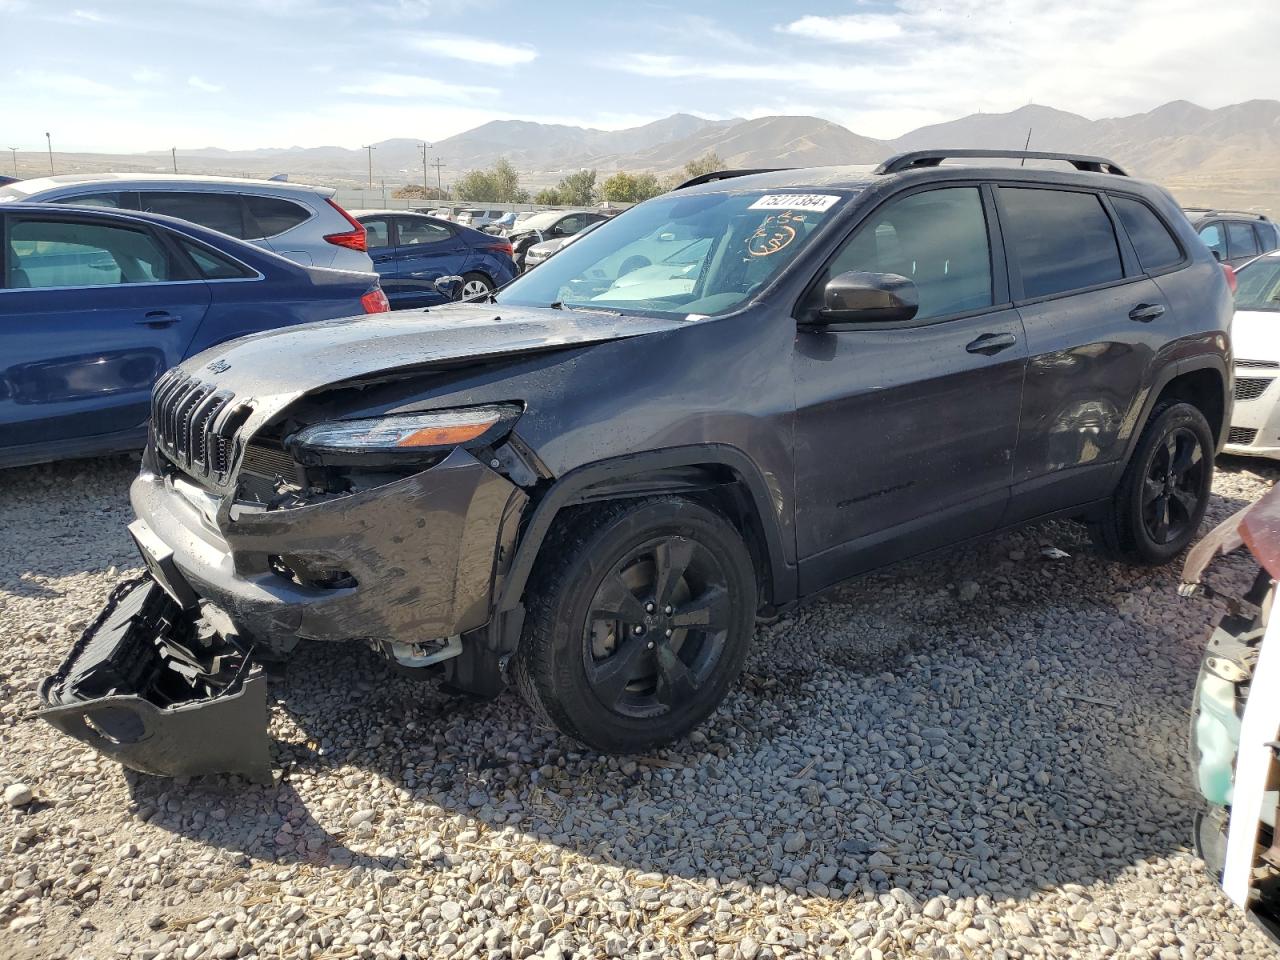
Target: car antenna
1026,146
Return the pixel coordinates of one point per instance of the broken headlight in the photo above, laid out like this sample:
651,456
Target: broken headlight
404,438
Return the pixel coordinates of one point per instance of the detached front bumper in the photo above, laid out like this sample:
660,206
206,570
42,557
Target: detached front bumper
409,561
161,691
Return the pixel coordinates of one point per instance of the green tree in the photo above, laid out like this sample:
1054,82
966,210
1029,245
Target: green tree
578,189
630,187
416,191
477,185
547,196
501,184
709,162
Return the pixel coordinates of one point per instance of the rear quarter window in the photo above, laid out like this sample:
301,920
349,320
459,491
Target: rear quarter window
274,216
217,211
1151,239
213,265
1061,240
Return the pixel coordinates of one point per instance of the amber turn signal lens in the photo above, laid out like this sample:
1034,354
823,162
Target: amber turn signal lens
450,436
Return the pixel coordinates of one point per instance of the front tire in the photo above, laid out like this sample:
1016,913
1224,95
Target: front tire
641,614
1157,508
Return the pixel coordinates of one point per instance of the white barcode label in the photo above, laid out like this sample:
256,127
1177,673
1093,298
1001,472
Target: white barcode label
795,201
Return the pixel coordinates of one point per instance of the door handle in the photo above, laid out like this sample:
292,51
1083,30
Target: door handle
157,318
1146,312
990,343
382,259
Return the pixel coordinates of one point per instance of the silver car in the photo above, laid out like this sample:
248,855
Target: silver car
295,220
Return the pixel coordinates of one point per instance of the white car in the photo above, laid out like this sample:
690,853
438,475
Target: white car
295,220
1255,335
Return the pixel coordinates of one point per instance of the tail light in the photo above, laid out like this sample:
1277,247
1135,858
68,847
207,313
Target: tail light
1231,277
375,301
353,239
504,247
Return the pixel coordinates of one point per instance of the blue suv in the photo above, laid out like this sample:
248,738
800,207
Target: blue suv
411,251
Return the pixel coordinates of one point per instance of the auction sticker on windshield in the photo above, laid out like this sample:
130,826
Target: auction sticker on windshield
795,201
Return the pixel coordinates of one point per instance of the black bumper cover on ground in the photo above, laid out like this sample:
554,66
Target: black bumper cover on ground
155,688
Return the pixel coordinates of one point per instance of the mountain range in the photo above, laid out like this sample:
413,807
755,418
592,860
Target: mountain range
1229,155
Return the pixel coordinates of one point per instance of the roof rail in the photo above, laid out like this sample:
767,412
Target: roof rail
932,158
1251,214
726,175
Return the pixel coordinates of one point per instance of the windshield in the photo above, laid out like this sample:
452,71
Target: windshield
705,254
1259,287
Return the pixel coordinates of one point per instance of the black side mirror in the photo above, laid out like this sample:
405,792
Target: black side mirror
857,297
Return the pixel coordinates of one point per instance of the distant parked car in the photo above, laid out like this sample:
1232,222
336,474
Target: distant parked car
1234,237
502,224
96,304
550,225
1255,337
411,251
295,220
475,217
548,248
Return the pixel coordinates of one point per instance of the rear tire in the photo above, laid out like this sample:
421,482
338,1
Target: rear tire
640,616
474,285
1157,508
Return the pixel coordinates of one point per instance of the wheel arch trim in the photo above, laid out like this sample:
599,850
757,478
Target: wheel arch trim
780,577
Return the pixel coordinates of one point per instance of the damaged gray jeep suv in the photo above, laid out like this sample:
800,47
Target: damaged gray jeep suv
592,483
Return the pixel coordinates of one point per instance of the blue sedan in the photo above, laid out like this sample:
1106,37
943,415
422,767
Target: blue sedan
96,304
411,251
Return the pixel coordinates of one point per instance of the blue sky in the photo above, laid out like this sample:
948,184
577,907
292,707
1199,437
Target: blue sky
125,75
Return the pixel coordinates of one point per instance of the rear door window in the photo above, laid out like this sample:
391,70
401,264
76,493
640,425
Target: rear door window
1215,240
1061,240
1240,240
273,216
67,253
1268,239
217,211
413,232
377,232
1151,239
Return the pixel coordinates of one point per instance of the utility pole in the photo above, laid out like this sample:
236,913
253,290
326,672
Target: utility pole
49,140
439,185
424,170
14,150
174,152
370,149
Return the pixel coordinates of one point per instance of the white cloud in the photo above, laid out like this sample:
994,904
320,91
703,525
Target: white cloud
409,85
89,16
1103,58
853,28
474,49
204,86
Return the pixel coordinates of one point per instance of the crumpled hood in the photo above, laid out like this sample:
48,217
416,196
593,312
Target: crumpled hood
272,369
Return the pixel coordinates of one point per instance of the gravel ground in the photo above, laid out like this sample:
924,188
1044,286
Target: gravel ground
980,755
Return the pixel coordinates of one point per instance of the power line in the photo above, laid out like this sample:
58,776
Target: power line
370,149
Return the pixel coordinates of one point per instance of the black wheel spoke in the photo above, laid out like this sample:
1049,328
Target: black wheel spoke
1170,449
614,600
1186,500
1150,490
611,675
1187,458
709,611
1160,528
675,683
671,560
